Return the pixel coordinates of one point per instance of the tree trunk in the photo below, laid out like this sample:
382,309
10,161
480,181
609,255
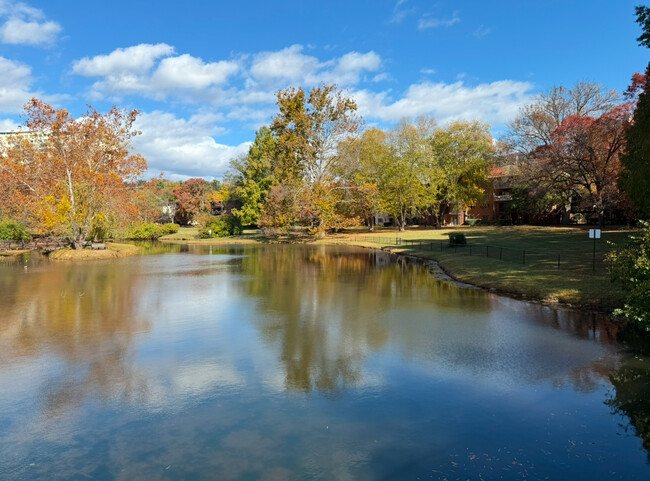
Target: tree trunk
566,216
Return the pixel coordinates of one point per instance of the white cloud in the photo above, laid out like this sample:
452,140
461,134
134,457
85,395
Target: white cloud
122,61
428,71
26,25
432,22
189,72
7,125
184,148
288,64
482,31
400,12
495,103
152,71
15,86
291,66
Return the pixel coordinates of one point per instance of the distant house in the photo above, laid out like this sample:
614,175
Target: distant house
384,219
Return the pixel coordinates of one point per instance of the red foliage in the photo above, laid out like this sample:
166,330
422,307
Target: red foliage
190,199
637,85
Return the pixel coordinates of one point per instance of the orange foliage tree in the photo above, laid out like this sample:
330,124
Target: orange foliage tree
67,176
585,154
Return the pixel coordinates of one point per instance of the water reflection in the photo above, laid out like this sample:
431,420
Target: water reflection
294,362
326,309
84,316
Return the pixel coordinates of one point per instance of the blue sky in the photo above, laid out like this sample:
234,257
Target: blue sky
204,74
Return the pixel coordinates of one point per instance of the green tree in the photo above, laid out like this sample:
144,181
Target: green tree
643,19
463,152
253,177
408,179
360,161
635,179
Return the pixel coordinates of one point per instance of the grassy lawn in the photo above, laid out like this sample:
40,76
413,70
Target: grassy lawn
190,235
549,263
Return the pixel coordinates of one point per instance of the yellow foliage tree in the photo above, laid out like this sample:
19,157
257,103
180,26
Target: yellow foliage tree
66,173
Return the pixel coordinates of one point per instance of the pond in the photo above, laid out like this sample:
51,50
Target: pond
288,362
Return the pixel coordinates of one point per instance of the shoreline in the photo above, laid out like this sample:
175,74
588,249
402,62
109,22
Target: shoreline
436,267
113,251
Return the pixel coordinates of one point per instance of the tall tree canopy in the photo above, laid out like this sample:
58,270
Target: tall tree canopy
635,179
463,152
308,130
69,174
253,176
536,122
585,153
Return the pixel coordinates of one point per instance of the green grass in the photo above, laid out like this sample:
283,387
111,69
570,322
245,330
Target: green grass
502,266
190,235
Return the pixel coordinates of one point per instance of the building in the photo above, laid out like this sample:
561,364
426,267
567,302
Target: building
13,137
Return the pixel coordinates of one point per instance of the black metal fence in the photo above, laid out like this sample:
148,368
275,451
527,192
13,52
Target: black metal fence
39,243
586,261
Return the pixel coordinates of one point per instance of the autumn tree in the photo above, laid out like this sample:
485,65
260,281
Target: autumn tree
532,131
585,153
153,200
536,122
307,131
67,174
191,199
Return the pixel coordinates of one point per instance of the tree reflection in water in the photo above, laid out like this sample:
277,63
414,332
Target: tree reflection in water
631,380
83,314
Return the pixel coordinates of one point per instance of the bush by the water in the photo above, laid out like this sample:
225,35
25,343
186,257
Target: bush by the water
457,239
221,226
12,230
631,267
151,231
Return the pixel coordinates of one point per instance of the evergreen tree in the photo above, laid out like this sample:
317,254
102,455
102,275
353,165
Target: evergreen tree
635,180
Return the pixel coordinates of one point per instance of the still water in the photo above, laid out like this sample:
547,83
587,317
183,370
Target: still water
298,363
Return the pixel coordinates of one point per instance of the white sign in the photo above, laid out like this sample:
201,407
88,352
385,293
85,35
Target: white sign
594,233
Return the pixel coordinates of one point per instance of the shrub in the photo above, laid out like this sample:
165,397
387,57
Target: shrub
12,230
457,239
472,221
631,267
167,229
99,229
221,226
